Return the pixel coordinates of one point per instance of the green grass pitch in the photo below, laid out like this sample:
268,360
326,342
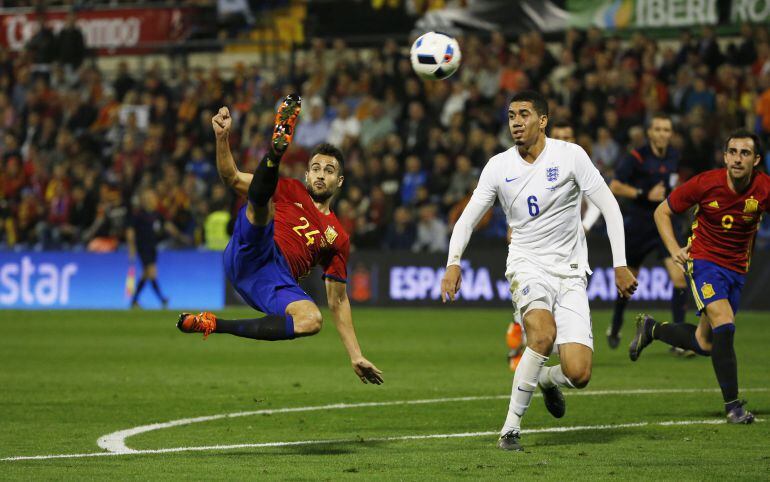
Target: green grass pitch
69,378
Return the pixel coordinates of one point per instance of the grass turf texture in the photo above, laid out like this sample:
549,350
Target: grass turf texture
70,377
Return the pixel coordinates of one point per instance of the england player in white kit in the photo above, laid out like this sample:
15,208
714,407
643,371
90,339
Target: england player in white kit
540,183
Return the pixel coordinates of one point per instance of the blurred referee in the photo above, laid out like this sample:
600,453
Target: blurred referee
644,178
144,231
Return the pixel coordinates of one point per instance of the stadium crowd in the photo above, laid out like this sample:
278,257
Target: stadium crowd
78,146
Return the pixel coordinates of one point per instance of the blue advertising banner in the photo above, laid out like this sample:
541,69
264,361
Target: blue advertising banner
414,279
56,280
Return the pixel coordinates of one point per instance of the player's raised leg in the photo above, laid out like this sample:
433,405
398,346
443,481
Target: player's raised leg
302,318
272,289
541,334
265,180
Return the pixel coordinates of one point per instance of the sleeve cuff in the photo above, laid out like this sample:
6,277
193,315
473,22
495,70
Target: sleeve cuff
334,278
668,201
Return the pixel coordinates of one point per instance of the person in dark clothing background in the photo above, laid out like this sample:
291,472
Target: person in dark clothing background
42,46
644,178
143,234
71,45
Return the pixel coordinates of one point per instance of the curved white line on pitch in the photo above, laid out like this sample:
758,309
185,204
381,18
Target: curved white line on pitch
576,428
115,442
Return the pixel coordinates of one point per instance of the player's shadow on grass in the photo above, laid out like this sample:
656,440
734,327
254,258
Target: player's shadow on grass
337,448
320,449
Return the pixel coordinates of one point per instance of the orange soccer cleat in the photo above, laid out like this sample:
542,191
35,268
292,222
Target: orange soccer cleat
285,120
514,337
204,322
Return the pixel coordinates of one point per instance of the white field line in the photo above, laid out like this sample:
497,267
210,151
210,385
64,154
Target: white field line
669,423
116,441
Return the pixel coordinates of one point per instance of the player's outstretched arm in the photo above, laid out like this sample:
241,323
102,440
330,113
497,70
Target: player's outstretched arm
482,199
662,216
339,304
226,167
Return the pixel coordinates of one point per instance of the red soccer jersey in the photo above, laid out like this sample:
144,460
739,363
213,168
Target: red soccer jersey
306,236
726,222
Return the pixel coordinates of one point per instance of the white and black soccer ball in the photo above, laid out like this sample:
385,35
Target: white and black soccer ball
435,56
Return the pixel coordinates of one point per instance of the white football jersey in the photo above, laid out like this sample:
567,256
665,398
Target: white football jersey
542,204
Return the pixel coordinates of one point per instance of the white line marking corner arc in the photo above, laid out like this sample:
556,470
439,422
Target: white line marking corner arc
668,423
115,443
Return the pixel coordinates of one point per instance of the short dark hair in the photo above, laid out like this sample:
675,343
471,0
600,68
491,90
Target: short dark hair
536,98
745,134
662,116
326,149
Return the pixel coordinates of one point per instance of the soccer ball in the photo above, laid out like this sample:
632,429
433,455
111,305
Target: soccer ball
435,56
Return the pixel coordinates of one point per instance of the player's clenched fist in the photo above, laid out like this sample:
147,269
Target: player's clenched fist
625,281
221,123
450,284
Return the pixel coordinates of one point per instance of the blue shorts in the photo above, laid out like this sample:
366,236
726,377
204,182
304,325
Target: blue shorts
710,282
257,269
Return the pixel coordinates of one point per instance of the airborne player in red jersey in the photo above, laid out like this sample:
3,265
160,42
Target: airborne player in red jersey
285,229
730,203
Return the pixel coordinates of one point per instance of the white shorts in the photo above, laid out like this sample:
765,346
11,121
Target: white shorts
565,297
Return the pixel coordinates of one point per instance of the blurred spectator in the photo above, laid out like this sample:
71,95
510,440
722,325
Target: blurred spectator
315,129
42,47
698,154
461,181
431,232
414,177
605,152
215,225
72,46
746,53
708,49
415,129
343,127
199,166
700,95
401,232
763,105
376,127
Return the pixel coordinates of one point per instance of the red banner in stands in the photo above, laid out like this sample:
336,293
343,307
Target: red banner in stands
123,30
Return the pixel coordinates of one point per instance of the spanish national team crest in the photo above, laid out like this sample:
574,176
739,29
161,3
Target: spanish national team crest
330,234
752,205
552,174
707,290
